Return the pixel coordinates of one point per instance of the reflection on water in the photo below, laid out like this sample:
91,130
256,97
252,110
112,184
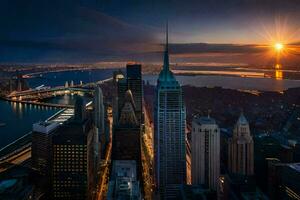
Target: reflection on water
68,99
20,110
18,119
278,72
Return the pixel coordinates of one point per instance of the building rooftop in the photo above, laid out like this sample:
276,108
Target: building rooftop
204,120
242,120
123,183
62,116
44,127
5,184
124,188
295,166
124,168
199,192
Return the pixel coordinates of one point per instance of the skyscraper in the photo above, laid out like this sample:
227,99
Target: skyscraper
135,84
79,110
99,122
205,152
73,172
169,137
121,91
99,109
126,137
120,88
41,149
240,148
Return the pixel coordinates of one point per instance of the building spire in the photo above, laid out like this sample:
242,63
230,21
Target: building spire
167,35
166,53
166,74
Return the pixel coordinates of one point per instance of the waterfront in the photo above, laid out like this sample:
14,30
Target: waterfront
19,118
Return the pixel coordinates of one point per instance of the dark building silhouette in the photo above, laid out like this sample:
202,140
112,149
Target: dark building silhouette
79,110
117,76
196,192
239,187
73,156
126,137
17,183
121,91
283,180
135,84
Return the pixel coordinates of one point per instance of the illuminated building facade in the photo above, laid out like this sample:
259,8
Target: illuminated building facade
73,175
241,152
41,149
169,137
205,152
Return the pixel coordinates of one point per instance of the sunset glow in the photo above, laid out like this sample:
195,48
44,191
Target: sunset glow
278,46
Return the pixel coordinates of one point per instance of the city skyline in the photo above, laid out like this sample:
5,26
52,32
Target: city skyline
149,99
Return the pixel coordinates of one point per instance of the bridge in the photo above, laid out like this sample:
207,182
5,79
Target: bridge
42,93
35,96
39,94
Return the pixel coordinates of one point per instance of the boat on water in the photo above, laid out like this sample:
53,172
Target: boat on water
2,124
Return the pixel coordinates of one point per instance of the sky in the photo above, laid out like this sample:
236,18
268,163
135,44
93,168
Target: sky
223,31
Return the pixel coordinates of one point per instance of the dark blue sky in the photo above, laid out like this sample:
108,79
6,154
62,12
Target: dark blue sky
94,30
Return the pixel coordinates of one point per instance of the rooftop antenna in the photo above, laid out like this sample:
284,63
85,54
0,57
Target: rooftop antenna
166,53
208,113
167,35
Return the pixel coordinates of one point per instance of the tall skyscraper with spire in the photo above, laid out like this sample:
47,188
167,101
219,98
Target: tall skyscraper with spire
169,138
241,156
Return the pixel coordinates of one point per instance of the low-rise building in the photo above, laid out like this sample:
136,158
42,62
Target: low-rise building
123,183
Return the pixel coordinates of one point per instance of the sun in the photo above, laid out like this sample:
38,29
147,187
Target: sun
278,46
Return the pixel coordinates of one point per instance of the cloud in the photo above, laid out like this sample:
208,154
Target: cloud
66,31
91,31
205,48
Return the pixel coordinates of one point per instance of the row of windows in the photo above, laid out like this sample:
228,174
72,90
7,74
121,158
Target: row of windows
205,130
70,145
61,164
69,154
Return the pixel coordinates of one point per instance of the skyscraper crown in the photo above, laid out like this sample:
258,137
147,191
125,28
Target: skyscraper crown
166,74
242,120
